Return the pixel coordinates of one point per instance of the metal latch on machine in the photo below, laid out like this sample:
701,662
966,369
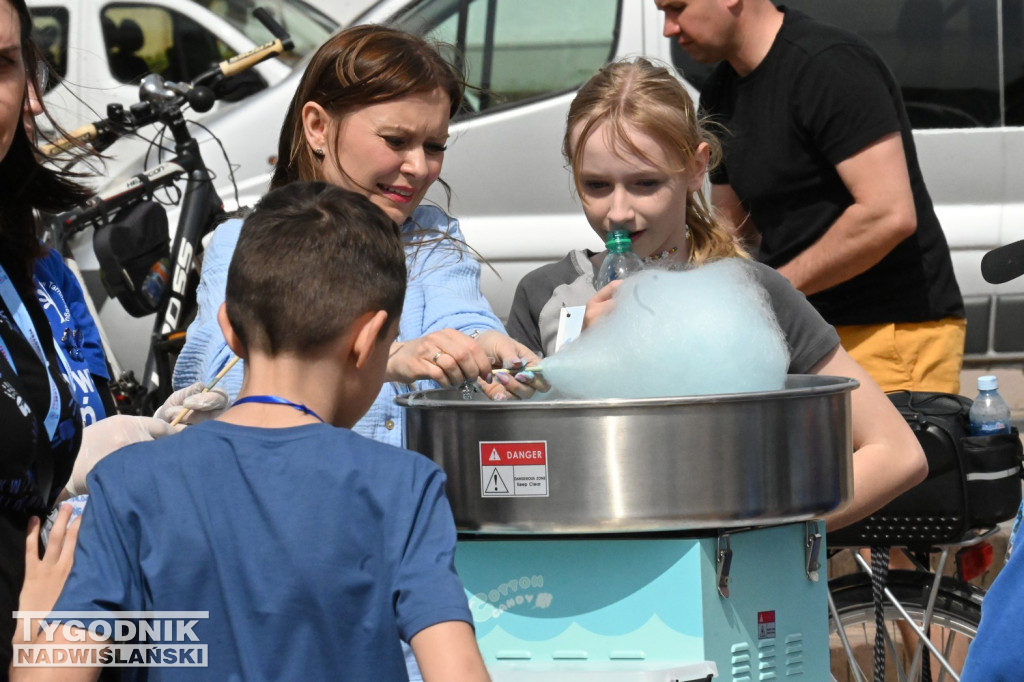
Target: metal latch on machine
812,549
724,563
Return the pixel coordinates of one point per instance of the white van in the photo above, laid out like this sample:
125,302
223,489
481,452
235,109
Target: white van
101,49
961,66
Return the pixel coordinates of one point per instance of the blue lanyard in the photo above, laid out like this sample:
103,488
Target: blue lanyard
277,400
23,321
61,353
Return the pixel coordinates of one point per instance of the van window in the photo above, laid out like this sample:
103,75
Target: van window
960,64
515,50
50,31
142,38
307,26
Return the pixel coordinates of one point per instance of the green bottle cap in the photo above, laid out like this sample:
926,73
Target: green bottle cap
618,241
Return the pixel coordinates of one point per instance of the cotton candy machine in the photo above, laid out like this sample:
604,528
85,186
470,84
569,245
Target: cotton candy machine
654,539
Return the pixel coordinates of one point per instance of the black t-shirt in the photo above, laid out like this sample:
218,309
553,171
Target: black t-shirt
820,96
33,469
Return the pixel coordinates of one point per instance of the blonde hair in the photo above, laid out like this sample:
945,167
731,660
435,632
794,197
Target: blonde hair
640,95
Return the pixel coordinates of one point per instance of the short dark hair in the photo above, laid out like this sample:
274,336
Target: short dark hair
312,258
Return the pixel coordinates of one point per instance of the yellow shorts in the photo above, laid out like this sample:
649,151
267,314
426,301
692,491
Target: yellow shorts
918,356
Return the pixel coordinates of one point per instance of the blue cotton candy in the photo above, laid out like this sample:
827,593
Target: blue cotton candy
706,330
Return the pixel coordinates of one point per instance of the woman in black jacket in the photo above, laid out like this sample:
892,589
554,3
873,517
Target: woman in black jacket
40,430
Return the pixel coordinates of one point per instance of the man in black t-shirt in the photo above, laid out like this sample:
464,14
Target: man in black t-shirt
821,175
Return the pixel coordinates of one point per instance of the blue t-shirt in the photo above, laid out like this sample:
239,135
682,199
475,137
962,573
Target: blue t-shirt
313,549
997,653
78,340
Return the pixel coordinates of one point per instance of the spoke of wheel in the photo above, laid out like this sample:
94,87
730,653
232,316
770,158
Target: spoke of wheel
841,631
910,621
926,620
947,650
894,656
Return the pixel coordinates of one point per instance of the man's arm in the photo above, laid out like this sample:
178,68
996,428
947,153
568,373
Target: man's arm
881,216
448,652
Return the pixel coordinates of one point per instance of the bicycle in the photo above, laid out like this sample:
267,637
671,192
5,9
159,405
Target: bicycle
924,621
167,281
947,607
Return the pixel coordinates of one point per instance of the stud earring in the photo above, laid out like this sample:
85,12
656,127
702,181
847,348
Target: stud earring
319,153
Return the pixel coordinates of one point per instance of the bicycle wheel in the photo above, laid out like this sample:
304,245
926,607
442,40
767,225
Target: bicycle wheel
954,624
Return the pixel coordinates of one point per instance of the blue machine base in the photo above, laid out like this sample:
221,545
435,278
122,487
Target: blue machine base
637,603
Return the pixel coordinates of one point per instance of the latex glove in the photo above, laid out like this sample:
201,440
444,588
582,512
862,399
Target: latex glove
204,406
110,434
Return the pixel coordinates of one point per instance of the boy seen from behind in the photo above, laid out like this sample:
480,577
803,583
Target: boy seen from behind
313,549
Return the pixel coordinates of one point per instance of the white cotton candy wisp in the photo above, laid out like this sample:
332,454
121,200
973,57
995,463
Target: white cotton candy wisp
706,330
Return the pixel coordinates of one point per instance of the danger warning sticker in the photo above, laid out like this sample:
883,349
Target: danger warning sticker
765,624
514,468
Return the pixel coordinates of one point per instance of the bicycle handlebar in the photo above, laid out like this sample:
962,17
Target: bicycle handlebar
109,201
169,97
90,133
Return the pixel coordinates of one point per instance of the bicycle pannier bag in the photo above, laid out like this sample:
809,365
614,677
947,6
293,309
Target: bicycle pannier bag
972,482
134,255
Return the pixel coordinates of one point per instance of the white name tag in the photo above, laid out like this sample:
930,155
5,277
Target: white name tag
570,324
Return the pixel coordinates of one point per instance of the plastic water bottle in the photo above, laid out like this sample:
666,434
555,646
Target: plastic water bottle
990,415
620,262
155,284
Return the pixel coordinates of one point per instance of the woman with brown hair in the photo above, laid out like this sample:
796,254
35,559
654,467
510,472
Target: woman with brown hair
371,115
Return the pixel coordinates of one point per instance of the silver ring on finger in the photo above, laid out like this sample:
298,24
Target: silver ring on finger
436,356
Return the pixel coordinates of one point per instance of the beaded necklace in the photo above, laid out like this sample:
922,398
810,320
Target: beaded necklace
664,254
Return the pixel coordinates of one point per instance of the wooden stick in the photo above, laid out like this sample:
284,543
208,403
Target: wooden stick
220,375
536,370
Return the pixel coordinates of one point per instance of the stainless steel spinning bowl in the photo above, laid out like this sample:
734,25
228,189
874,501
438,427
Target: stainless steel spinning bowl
643,465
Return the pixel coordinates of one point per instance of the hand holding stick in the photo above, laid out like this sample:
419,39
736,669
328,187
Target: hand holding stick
220,375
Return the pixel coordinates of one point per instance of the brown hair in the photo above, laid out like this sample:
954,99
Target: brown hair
362,65
28,184
641,95
312,258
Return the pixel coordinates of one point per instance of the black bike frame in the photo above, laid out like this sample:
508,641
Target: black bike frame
201,207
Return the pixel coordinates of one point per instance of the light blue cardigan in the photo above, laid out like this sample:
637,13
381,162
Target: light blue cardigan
443,292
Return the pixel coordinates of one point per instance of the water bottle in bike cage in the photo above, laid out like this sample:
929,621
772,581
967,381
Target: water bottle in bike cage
155,284
134,253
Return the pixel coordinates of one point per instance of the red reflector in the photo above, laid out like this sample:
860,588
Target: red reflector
973,561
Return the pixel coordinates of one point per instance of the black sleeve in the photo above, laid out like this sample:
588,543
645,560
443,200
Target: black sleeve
844,101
